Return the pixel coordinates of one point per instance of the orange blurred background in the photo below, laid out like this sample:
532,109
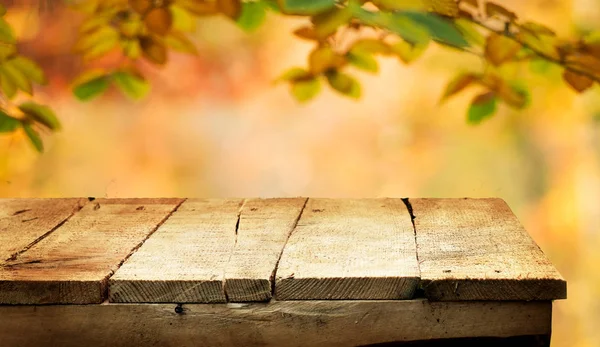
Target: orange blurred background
216,126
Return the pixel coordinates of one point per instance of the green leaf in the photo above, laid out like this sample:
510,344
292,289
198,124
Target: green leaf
131,84
252,16
6,32
30,69
90,84
482,107
305,7
41,114
469,31
402,25
363,61
305,89
34,137
2,10
439,28
344,83
8,124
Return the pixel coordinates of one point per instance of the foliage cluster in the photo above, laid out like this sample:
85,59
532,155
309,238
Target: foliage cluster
348,35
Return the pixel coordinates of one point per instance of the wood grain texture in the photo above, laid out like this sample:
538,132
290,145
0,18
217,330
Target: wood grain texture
72,264
350,249
476,249
264,227
23,222
283,323
185,259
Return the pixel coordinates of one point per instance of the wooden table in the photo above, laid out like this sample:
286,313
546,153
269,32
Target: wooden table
274,272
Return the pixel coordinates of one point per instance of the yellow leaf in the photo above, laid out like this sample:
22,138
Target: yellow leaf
324,58
153,50
542,44
30,69
131,28
14,74
458,84
584,61
159,20
344,84
500,49
408,52
89,40
372,46
183,20
447,8
580,83
9,89
393,5
199,8
327,23
307,33
513,97
181,43
230,8
131,48
537,29
495,10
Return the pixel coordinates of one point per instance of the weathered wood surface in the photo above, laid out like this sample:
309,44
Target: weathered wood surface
286,323
54,251
476,249
350,249
72,264
185,259
263,230
23,222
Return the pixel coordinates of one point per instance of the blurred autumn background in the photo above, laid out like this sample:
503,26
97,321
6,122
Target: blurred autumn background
215,126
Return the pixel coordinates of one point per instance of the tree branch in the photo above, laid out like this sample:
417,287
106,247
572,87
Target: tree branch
538,53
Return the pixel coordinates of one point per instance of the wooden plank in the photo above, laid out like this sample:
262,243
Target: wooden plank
72,264
263,230
185,259
476,249
350,249
278,323
23,222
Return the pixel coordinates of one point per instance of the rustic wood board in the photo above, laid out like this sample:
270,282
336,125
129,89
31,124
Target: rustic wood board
263,230
72,264
283,323
185,259
24,222
476,249
350,249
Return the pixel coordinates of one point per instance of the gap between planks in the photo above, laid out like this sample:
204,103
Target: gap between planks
80,204
221,240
